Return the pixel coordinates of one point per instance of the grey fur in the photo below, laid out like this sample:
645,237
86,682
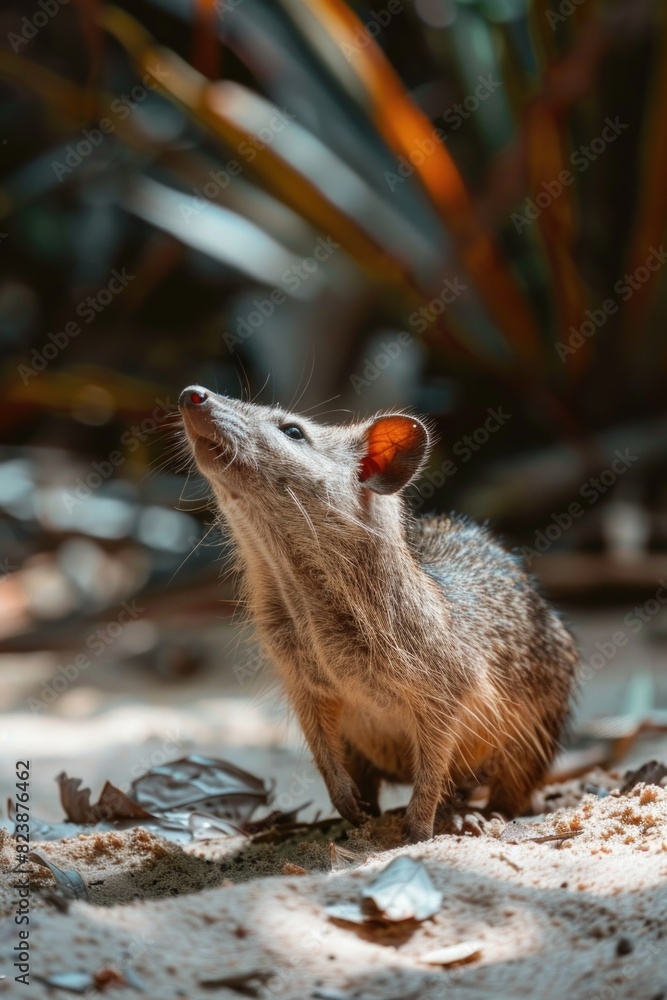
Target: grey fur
410,650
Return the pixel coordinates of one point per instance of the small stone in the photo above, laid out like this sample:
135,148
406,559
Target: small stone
624,946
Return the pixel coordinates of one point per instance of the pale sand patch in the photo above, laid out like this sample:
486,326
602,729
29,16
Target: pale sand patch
581,919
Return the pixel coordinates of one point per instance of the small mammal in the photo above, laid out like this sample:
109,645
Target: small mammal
412,650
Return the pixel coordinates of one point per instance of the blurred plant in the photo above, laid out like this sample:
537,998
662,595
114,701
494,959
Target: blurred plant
513,150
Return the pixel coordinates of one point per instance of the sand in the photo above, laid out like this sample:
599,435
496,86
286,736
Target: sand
585,917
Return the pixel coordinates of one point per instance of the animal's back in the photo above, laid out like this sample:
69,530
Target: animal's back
492,597
529,655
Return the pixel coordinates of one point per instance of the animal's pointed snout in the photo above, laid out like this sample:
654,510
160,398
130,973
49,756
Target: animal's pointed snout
194,395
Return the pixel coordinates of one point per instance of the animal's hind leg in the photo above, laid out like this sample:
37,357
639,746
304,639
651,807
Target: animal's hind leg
367,778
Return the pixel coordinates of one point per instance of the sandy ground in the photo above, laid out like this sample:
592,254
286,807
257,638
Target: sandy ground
582,918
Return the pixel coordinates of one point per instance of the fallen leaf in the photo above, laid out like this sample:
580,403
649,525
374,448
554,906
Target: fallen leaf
201,783
650,773
112,804
115,804
454,953
204,826
75,800
403,891
172,792
68,881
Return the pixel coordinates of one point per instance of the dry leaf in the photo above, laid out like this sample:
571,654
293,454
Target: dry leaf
115,804
650,773
69,882
112,804
403,891
201,783
75,800
203,826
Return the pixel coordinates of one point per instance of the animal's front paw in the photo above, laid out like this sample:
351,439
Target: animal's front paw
416,829
415,833
348,802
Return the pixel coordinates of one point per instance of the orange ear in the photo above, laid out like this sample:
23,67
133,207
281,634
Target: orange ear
395,448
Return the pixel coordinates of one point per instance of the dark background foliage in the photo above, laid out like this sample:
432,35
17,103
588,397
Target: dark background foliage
424,144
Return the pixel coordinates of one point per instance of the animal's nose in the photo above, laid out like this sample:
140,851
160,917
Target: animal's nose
194,395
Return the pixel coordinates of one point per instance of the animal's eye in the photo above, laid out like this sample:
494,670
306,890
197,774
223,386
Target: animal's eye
293,432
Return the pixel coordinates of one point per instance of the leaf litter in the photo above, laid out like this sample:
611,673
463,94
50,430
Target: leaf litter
194,798
402,891
607,822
